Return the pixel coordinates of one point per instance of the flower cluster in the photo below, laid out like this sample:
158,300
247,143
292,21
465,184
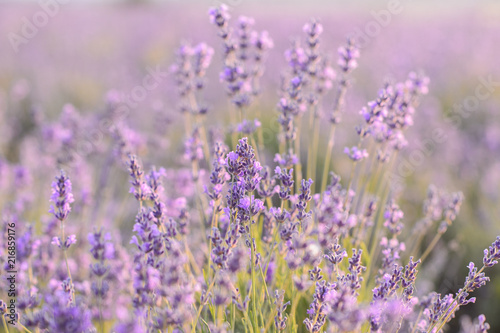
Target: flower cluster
228,238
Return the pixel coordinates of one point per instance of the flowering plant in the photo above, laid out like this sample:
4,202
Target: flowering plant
233,245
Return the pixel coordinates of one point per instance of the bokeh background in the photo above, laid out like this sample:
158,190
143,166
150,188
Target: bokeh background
88,48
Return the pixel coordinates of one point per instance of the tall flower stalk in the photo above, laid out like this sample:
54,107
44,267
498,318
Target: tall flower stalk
61,198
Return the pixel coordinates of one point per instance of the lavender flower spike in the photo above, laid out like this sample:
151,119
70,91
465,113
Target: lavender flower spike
355,153
492,254
61,197
347,56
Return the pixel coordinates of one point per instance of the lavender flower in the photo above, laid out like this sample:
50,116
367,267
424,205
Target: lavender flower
64,318
280,319
194,147
219,16
267,185
393,215
286,178
482,325
139,187
336,255
473,281
347,56
248,127
61,197
492,254
70,240
304,197
171,278
355,153
286,160
409,277
317,309
343,310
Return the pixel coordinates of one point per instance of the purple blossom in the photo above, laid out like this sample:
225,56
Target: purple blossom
317,309
473,281
193,147
139,188
393,216
101,246
482,326
66,318
261,41
219,15
336,255
61,197
203,57
391,249
343,310
492,254
304,197
248,127
267,185
286,160
347,56
313,28
296,58
409,277
280,319
244,34
286,178
355,153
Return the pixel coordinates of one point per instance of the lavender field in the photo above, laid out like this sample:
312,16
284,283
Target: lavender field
249,166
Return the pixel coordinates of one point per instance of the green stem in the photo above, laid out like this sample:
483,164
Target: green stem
295,302
326,165
431,246
265,286
310,145
315,147
6,328
351,176
67,264
198,312
365,180
298,166
233,316
416,321
23,327
254,282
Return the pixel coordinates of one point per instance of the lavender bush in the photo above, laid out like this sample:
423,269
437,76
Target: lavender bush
241,235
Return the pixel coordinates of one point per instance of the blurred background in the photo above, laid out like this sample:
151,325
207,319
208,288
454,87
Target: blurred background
59,52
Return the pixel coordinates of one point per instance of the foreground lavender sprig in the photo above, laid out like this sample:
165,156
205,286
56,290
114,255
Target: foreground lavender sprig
474,280
62,197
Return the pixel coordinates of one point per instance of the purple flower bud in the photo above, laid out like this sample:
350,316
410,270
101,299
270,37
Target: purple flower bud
248,127
261,41
492,254
313,28
219,15
70,240
347,56
203,56
393,216
286,178
482,326
355,153
56,241
139,187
